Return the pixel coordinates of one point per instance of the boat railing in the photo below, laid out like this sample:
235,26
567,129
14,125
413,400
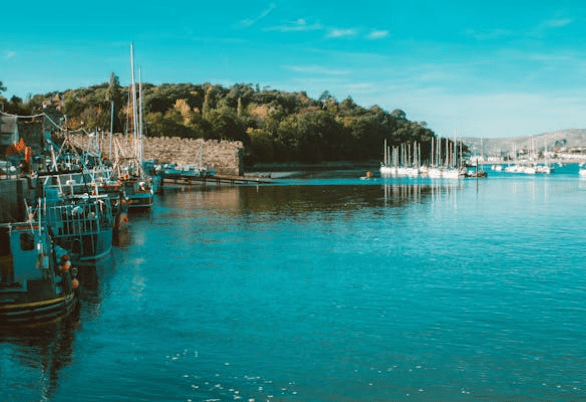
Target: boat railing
78,219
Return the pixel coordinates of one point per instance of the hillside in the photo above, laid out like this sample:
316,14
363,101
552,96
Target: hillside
274,126
556,140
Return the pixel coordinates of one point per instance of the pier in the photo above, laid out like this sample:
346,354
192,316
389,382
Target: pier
218,179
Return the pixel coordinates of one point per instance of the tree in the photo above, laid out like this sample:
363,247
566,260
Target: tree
398,114
227,125
325,95
2,88
275,126
261,145
113,93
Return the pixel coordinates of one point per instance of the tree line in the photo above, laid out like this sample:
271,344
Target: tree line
274,126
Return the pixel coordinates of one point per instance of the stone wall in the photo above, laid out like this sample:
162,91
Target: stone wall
224,157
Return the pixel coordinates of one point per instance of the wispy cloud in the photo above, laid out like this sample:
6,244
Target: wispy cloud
539,29
10,54
378,34
547,26
248,22
317,70
300,24
490,34
339,33
557,23
362,88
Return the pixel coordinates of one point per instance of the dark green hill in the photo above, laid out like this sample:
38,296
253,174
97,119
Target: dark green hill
273,125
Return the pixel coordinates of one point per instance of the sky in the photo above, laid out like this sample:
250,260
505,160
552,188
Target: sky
466,69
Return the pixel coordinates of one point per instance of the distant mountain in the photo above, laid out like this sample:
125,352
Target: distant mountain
556,140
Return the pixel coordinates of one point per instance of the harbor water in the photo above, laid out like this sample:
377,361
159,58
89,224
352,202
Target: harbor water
329,287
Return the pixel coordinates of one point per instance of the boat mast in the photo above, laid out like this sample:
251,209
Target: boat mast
455,161
111,129
432,151
447,152
385,153
134,111
140,125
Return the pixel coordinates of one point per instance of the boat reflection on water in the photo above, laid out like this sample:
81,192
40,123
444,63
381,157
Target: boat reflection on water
299,198
35,355
401,194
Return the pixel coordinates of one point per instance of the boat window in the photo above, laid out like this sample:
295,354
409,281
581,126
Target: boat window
4,242
27,241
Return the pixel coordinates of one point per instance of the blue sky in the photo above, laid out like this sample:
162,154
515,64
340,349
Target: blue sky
481,69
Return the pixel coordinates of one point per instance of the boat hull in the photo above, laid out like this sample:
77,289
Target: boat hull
140,201
36,312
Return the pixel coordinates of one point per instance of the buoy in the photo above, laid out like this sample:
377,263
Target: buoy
75,283
368,174
66,265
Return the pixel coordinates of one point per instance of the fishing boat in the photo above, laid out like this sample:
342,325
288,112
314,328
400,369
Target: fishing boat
37,282
82,219
137,185
83,180
128,168
140,193
82,224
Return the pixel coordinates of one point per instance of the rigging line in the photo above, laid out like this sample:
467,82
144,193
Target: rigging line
32,117
51,120
23,117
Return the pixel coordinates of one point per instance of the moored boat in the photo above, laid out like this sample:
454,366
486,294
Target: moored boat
36,277
140,193
82,224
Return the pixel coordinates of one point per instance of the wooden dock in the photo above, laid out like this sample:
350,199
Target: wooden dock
217,179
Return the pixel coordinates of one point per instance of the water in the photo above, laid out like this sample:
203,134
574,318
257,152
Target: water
326,287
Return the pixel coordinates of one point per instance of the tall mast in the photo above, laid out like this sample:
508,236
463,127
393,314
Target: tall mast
455,161
385,153
111,129
439,152
447,152
134,111
140,125
432,151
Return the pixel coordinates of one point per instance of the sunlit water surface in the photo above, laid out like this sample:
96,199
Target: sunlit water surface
327,287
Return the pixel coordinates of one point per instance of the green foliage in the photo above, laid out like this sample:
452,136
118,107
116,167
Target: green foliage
275,126
226,125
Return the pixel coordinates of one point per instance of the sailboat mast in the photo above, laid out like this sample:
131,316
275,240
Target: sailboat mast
455,152
439,152
140,125
432,151
385,153
111,130
134,106
447,152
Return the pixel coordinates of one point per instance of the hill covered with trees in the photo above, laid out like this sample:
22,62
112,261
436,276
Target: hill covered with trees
274,126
